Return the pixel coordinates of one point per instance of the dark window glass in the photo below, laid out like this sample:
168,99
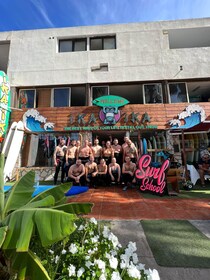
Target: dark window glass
61,97
27,98
99,91
78,96
103,43
153,93
72,45
178,93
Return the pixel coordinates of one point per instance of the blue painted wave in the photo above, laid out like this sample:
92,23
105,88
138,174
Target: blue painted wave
34,125
190,121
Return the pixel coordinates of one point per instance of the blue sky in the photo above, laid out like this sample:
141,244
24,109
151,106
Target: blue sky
35,14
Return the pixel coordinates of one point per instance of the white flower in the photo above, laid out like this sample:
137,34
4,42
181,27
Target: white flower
135,258
63,252
88,264
113,262
73,248
141,266
113,239
57,259
95,239
116,276
106,232
81,227
51,252
87,257
133,272
102,277
72,270
101,264
152,274
93,221
80,271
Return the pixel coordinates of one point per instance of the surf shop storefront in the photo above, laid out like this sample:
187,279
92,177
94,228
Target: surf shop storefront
110,117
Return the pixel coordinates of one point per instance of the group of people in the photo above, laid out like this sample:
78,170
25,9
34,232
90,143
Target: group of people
96,165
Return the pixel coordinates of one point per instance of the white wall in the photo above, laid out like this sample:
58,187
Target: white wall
142,54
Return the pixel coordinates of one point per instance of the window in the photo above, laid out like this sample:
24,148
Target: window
177,92
78,96
27,98
61,97
73,45
99,91
153,93
103,43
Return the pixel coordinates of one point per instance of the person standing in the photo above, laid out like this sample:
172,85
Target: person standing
97,151
108,153
130,151
59,160
70,156
117,151
84,152
102,173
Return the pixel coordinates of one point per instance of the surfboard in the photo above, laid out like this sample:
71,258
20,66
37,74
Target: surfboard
141,146
8,139
149,145
144,141
33,150
154,145
14,150
190,145
196,147
163,142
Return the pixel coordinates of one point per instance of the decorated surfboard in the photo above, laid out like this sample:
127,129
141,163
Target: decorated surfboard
14,150
163,142
8,139
149,145
33,150
5,99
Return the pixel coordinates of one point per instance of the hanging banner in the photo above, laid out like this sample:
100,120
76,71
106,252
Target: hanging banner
5,99
152,179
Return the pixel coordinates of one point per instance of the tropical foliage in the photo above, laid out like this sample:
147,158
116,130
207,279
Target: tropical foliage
46,216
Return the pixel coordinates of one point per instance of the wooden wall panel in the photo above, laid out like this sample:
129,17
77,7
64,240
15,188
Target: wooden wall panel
159,114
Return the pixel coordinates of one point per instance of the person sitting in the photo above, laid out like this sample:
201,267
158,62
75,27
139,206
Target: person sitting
91,170
128,172
204,166
70,156
114,171
76,173
102,173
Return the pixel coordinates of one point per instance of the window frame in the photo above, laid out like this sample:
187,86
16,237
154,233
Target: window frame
169,95
152,84
35,96
103,86
74,40
52,96
102,38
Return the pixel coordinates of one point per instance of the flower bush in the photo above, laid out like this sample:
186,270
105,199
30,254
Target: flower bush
93,252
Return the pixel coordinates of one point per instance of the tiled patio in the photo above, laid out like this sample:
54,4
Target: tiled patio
112,203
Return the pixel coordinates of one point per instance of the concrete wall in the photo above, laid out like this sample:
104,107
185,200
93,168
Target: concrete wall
142,54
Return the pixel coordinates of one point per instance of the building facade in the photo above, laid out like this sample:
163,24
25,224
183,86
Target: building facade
109,81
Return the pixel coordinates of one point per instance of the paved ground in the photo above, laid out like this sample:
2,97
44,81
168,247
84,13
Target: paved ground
125,209
132,231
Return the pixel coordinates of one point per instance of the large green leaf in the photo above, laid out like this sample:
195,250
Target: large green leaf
75,208
1,185
28,265
48,201
57,192
21,193
3,231
52,225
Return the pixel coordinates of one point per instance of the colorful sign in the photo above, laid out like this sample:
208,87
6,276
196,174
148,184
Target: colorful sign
110,113
5,100
152,179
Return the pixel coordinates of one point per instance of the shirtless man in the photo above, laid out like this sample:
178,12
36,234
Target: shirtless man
128,172
117,150
84,152
125,142
59,160
70,156
97,151
91,170
76,173
108,153
130,151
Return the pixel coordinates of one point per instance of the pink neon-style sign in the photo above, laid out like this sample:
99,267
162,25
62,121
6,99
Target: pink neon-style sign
152,178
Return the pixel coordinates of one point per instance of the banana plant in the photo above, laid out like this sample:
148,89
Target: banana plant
46,216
